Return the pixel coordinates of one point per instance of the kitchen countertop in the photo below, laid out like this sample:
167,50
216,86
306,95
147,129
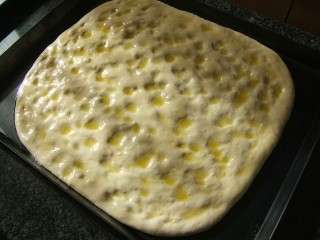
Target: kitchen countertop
290,32
32,208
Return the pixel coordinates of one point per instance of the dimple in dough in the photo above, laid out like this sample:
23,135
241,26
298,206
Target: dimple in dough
157,116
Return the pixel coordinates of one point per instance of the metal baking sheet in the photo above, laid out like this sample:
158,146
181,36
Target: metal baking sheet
258,212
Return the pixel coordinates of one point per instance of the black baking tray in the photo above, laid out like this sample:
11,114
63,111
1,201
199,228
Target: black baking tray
258,212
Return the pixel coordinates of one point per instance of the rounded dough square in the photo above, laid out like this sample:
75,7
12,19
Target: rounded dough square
158,117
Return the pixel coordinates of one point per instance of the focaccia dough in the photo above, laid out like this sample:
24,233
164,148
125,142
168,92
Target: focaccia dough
157,116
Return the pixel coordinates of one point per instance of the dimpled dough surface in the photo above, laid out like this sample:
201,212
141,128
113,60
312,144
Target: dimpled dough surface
160,118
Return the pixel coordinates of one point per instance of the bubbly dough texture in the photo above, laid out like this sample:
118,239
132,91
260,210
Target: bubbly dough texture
157,116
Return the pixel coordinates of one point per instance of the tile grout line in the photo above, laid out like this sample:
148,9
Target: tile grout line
289,11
